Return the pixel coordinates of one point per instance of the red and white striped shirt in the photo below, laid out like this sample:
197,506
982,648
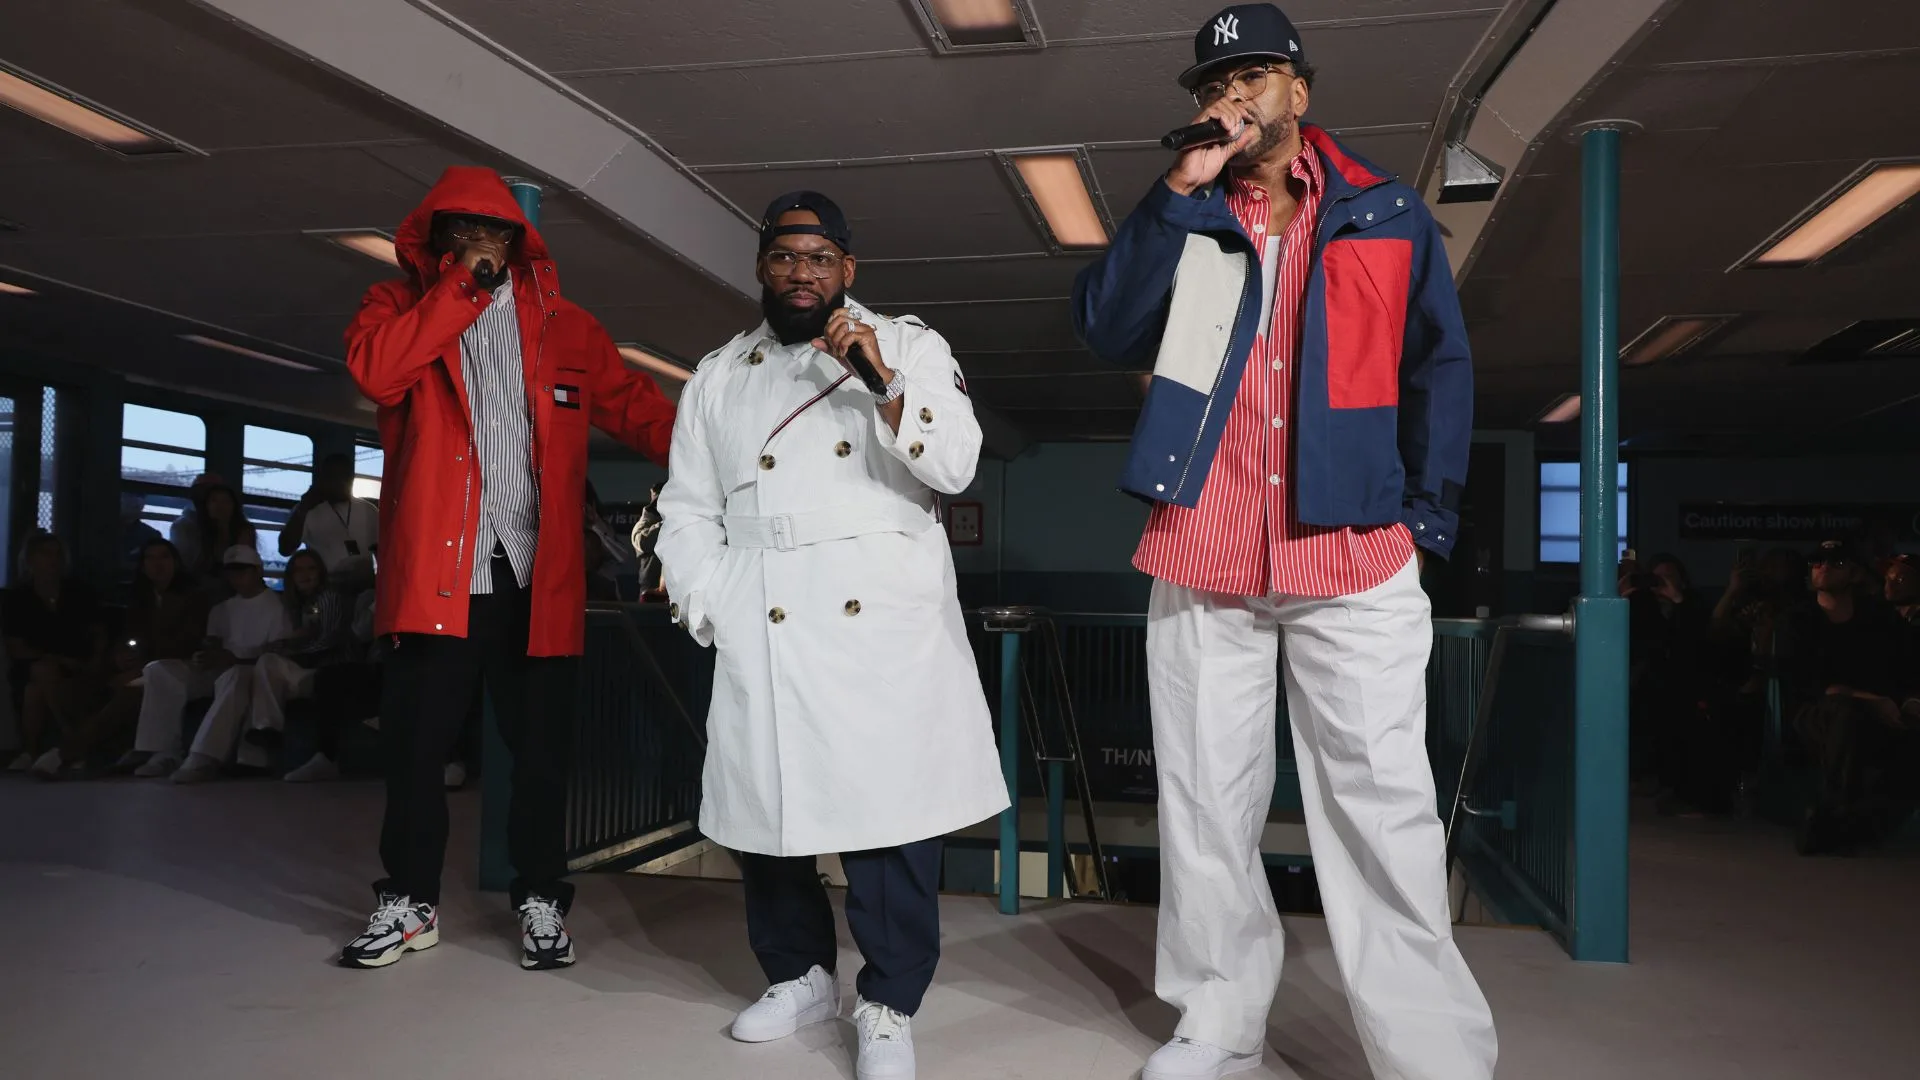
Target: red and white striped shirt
1245,538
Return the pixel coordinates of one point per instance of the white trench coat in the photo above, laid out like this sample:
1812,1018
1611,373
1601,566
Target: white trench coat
798,535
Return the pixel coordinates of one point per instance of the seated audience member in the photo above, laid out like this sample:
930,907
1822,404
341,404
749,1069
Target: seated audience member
166,620
1743,640
344,694
239,629
54,642
341,529
1842,672
1903,589
322,636
215,523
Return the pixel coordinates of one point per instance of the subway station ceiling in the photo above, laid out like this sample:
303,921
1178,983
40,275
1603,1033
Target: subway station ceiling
1751,108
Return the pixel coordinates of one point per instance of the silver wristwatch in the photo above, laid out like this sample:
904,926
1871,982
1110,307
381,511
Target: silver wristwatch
895,389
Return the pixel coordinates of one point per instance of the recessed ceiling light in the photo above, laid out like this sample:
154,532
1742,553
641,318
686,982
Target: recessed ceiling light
959,25
646,358
1055,184
375,244
16,290
68,111
228,346
1670,336
1567,408
1868,195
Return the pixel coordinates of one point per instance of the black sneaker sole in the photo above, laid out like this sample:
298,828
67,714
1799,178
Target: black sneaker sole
546,962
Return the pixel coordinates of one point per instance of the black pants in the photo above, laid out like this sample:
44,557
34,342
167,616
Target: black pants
430,683
893,909
1865,763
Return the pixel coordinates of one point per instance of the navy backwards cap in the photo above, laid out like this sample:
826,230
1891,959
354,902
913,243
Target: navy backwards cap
1243,32
833,223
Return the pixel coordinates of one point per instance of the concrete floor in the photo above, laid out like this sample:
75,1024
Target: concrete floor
171,932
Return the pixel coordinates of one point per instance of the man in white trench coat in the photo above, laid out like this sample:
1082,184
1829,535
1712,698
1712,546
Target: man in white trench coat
799,535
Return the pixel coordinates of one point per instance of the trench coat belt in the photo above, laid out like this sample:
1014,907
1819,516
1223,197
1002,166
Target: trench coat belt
785,532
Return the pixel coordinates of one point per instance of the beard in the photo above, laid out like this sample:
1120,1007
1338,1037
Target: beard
1274,131
792,325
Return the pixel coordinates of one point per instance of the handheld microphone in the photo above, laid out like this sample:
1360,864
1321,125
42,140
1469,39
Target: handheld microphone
857,359
1208,132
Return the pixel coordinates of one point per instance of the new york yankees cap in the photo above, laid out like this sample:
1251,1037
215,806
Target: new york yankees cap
1242,32
833,223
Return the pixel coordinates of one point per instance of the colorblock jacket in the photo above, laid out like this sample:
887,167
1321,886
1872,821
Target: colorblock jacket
1384,410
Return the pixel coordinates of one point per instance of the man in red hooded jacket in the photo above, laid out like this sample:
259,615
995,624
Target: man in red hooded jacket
486,380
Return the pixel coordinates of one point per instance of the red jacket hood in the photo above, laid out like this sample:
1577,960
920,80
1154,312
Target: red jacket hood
467,189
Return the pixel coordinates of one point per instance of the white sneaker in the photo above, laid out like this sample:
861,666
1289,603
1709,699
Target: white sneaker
198,770
21,763
158,765
787,1007
1185,1059
318,768
455,775
48,764
886,1042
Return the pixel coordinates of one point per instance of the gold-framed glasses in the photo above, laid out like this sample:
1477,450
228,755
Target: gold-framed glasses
1243,85
471,229
782,263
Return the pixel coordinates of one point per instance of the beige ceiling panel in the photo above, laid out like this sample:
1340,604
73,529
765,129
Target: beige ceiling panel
1705,30
915,105
928,209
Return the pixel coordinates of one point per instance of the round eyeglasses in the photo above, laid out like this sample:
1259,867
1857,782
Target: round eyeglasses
782,263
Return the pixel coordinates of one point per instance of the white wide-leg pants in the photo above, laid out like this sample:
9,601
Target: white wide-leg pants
1355,669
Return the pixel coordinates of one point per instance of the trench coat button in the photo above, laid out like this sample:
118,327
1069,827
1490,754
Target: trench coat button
777,615
438,626
673,612
1399,202
766,461
449,543
926,416
754,357
842,449
853,607
1369,215
916,450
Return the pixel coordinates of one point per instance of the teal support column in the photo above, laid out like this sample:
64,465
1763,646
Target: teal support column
1056,829
496,762
1599,903
527,194
1010,766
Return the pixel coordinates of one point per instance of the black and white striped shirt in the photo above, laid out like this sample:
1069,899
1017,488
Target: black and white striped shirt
503,441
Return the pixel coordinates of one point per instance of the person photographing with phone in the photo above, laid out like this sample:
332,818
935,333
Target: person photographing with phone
342,530
1304,445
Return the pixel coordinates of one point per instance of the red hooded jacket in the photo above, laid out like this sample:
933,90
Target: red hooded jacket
404,352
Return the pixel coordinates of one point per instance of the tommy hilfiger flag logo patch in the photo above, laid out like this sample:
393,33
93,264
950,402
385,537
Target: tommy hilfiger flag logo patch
959,383
566,397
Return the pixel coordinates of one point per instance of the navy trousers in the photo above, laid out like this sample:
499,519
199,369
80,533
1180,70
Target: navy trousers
893,910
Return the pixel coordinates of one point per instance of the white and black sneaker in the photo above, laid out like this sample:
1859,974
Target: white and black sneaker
398,926
544,944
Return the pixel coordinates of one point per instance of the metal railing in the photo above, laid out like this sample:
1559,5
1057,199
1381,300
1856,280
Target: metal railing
639,744
1500,735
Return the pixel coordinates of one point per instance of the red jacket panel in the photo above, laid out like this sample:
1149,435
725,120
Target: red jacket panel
403,350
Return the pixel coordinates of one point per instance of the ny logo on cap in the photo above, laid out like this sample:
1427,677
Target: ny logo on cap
1226,28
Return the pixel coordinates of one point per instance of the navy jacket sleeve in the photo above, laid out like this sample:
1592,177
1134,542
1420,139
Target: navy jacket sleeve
1436,397
1120,302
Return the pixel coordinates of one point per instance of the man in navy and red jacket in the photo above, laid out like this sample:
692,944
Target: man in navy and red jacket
487,381
1303,440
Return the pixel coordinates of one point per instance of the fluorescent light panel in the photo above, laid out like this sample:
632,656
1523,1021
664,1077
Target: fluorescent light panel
69,112
228,346
373,243
656,364
11,289
1670,336
1872,195
978,24
1059,193
1567,408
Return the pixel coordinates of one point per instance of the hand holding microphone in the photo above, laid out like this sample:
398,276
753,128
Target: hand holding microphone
1201,157
485,259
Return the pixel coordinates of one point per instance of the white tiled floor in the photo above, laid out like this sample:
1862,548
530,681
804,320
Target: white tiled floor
167,932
